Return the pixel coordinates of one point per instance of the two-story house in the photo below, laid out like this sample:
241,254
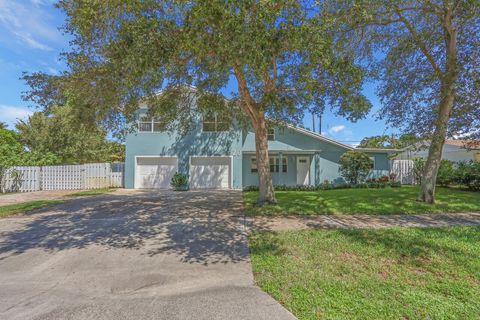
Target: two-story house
217,154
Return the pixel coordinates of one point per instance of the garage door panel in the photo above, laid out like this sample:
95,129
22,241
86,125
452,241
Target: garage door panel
155,172
210,172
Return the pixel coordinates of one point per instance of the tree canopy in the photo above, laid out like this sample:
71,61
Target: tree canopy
426,56
59,132
388,141
278,59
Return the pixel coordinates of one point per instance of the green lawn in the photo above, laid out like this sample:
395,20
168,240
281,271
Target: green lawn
23,207
372,274
91,192
366,201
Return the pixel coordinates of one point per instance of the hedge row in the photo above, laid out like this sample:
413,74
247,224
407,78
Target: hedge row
329,186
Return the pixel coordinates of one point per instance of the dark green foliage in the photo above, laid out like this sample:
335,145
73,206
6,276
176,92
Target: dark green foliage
329,186
179,181
468,174
463,173
418,167
59,132
13,153
446,173
355,166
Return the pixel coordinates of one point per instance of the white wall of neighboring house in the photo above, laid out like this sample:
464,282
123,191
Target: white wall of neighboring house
450,152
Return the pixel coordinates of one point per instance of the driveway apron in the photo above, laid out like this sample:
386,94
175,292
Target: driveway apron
132,255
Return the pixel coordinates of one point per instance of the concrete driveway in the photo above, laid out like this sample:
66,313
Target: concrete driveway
132,255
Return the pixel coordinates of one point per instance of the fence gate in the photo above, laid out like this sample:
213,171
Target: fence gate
404,171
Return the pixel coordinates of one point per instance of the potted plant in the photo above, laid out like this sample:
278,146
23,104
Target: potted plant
179,182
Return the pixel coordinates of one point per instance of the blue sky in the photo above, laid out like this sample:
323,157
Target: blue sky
30,40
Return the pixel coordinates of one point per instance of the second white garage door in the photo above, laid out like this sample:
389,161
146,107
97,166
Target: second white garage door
155,172
210,172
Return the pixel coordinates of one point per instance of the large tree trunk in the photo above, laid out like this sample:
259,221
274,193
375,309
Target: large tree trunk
265,185
252,108
427,191
447,91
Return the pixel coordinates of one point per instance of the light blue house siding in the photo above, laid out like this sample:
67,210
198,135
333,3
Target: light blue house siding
239,143
324,158
195,143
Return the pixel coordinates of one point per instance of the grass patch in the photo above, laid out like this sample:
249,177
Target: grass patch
372,274
364,201
92,192
23,207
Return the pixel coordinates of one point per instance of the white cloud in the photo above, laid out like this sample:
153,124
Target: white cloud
43,2
53,71
10,114
336,129
27,39
28,23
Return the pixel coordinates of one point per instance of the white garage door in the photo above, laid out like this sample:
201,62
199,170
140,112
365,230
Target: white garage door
210,172
155,172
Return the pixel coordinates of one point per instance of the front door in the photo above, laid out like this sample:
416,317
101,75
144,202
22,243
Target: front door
303,170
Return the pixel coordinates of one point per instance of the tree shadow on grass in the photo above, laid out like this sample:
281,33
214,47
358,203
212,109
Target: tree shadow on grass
197,227
420,243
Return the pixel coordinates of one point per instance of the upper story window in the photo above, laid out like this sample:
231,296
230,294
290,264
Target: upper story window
215,123
150,124
271,134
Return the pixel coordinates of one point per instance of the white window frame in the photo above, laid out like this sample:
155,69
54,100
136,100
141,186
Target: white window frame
215,123
374,162
253,165
286,164
271,134
276,164
151,122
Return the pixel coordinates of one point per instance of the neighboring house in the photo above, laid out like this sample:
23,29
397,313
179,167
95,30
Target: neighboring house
216,154
453,150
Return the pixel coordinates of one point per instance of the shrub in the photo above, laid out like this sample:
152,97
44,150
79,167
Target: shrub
446,173
418,166
355,166
179,181
329,186
468,174
395,184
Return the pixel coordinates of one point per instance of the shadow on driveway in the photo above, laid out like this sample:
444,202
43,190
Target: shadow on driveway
198,226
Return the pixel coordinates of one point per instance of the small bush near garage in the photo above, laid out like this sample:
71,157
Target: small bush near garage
179,181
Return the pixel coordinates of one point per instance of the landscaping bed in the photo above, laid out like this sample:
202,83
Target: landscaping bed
371,274
364,201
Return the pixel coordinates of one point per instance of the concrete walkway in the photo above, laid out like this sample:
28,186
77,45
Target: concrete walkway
6,199
132,255
266,223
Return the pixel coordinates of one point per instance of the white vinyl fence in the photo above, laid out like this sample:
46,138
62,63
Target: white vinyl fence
64,177
404,171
